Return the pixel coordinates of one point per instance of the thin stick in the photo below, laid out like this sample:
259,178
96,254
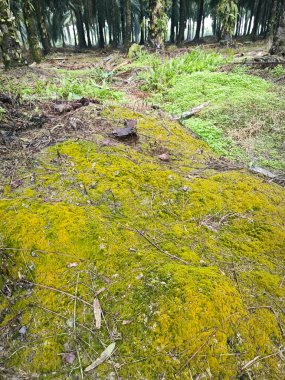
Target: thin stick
257,359
275,315
173,257
196,352
59,291
36,251
61,316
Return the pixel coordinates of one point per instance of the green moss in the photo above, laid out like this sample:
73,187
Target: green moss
109,216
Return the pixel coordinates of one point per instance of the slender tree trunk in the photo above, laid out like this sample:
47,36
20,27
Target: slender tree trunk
278,45
34,48
250,18
199,19
142,22
9,42
74,30
174,21
42,27
62,38
79,26
182,21
101,33
256,20
128,27
116,23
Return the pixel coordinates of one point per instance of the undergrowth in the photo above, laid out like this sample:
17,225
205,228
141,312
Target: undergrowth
162,74
244,119
64,84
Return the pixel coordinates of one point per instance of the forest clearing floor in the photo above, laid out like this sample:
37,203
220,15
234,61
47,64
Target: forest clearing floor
126,238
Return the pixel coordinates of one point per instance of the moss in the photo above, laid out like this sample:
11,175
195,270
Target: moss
107,217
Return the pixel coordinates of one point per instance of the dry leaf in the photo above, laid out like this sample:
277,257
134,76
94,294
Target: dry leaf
72,265
104,356
69,357
126,322
97,313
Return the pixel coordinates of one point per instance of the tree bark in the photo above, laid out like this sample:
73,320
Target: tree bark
182,21
199,19
174,21
157,23
128,27
79,26
34,47
42,27
9,42
278,45
256,20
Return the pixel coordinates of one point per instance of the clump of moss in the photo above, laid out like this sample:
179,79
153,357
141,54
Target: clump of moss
183,265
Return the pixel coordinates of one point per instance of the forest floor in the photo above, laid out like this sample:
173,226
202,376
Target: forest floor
150,247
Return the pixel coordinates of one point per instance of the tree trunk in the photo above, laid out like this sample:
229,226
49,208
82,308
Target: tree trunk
142,22
199,19
34,48
42,27
9,43
256,20
157,23
128,27
79,26
174,21
278,45
182,21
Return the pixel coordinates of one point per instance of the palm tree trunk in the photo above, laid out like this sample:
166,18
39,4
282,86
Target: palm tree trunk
34,47
9,43
278,45
199,19
42,27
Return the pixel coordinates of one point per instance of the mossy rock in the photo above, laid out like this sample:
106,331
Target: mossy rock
186,261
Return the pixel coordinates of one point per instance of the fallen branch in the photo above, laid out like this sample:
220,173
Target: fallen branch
190,113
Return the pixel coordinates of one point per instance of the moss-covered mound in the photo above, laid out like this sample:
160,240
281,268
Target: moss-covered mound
184,256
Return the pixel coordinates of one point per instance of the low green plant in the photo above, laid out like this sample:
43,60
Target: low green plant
244,119
2,112
278,71
163,75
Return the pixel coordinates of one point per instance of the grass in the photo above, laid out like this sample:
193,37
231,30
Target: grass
63,84
245,118
161,75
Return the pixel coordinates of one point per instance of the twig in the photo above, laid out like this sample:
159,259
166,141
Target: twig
257,359
275,315
190,113
59,291
36,250
196,352
173,257
62,316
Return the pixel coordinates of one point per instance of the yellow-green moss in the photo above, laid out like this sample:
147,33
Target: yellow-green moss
88,222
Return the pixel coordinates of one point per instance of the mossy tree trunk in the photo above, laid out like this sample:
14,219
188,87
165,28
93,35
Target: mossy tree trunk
278,45
34,47
157,24
9,42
